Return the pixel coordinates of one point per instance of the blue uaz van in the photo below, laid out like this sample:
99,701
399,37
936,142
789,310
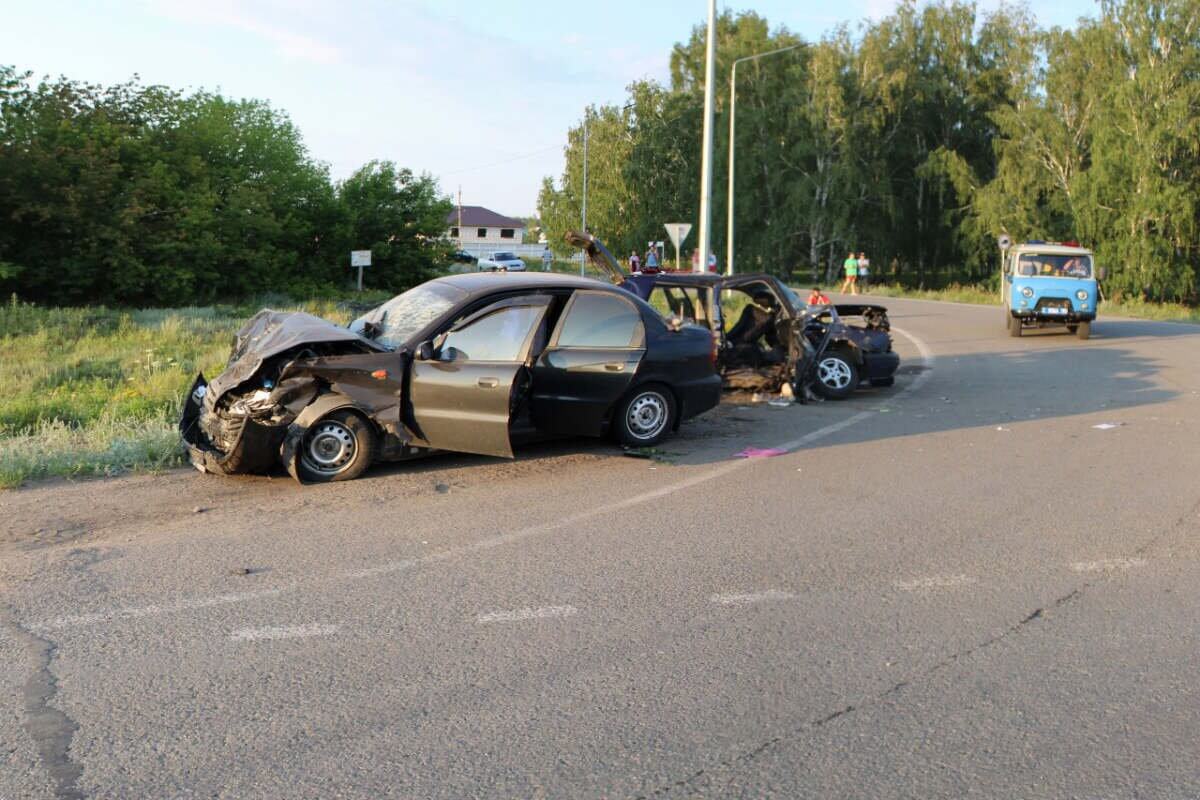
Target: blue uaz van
1044,284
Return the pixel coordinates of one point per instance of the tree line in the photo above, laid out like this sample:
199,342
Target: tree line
919,140
143,195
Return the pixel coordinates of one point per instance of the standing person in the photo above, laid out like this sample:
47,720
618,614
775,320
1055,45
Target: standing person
695,260
850,265
864,271
712,261
547,259
635,263
651,260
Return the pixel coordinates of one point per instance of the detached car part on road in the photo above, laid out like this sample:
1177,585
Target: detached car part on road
468,363
776,338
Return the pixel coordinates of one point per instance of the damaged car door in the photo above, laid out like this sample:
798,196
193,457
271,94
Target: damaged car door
465,383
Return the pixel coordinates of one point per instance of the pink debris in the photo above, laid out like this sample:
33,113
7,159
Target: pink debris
761,452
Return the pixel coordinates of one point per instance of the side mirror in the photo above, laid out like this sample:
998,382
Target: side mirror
424,351
674,324
448,354
1102,273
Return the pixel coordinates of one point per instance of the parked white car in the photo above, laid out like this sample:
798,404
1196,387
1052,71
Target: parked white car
498,261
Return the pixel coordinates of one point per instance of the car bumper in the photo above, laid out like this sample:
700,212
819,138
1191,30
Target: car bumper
880,365
244,444
698,396
1071,317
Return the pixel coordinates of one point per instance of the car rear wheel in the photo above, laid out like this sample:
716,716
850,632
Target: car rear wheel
337,447
645,416
1084,330
837,375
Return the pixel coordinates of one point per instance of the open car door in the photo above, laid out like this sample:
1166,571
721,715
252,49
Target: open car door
463,394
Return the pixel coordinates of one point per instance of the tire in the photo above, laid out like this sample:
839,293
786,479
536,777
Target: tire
1084,330
889,381
1072,328
337,447
836,375
1014,327
645,416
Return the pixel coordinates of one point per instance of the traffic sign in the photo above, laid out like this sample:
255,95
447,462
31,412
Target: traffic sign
678,232
360,258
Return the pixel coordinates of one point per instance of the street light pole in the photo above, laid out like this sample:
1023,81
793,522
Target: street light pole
710,69
732,124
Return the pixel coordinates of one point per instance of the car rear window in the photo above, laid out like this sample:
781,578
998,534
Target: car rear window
600,319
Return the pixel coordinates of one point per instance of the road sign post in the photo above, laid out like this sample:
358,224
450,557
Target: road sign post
360,259
678,232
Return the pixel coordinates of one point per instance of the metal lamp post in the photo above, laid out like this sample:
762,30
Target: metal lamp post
732,124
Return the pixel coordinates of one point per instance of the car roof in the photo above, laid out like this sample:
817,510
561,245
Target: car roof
712,279
487,282
1050,249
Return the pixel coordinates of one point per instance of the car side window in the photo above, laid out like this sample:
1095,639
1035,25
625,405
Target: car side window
500,336
600,319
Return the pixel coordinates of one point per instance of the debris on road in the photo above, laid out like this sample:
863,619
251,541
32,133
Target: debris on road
761,452
442,488
1107,426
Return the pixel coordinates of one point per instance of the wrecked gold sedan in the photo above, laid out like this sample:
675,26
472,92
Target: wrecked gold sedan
469,363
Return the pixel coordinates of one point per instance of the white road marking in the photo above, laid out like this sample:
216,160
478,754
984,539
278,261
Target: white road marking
512,537
935,582
520,614
1108,564
188,604
751,597
283,632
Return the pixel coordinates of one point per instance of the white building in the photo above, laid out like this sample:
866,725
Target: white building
475,228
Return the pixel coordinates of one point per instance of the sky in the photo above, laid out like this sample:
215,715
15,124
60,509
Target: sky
477,93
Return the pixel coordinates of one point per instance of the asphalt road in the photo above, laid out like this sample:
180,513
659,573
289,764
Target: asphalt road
980,582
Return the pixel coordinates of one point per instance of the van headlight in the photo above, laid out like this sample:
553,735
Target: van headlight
1028,292
1081,294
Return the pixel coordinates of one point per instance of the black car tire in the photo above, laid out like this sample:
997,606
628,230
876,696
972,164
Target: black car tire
645,416
836,376
1084,331
1014,327
337,447
888,381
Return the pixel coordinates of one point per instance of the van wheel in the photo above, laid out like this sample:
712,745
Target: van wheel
837,375
1072,328
1014,327
1084,331
337,447
645,416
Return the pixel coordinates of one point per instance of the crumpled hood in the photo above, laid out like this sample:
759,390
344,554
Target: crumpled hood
270,333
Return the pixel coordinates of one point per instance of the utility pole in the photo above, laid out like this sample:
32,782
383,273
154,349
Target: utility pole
582,255
710,69
732,122
460,233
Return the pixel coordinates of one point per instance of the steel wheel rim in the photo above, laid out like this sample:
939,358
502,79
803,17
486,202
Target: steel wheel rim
834,373
329,447
647,415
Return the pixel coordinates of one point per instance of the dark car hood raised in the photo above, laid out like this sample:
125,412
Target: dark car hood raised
269,333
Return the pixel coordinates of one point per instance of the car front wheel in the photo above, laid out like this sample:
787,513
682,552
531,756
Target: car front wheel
837,375
337,447
645,417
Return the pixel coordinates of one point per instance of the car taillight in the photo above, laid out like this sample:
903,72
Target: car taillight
715,349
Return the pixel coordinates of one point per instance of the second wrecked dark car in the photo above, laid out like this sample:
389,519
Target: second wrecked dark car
468,363
768,336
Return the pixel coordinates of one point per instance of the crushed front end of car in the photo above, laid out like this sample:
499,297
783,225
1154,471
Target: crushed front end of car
280,364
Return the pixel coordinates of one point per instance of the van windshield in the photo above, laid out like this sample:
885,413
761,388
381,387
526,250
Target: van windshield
1054,266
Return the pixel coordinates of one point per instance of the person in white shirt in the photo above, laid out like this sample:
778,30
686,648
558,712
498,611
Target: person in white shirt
864,271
